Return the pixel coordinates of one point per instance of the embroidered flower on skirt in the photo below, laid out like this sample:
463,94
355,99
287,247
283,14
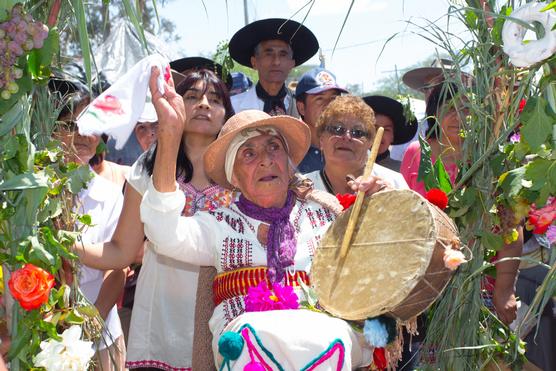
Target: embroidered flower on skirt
260,298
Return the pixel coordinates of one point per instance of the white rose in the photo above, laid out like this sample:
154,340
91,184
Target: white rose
69,354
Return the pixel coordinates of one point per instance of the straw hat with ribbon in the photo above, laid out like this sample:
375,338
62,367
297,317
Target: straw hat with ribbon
427,77
294,131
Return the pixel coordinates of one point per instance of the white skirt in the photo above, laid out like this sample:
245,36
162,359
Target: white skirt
297,340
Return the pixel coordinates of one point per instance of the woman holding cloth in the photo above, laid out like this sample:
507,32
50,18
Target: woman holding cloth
261,245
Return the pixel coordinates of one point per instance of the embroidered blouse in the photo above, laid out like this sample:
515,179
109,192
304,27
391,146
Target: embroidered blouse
225,238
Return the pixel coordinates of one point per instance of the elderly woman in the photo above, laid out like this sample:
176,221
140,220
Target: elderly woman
261,245
346,129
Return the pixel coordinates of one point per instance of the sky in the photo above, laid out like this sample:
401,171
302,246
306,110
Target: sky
357,58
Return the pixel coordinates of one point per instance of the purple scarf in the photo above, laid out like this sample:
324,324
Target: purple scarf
281,242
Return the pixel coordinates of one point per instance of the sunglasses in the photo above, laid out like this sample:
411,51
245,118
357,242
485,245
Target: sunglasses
69,125
339,130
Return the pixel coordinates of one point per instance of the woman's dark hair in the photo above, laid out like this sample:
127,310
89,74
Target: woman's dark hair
184,167
439,96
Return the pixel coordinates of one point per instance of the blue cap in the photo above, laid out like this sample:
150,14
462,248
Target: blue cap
240,83
316,81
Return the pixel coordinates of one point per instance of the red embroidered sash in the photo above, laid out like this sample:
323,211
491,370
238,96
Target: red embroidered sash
228,285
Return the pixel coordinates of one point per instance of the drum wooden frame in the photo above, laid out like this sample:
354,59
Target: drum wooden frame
395,263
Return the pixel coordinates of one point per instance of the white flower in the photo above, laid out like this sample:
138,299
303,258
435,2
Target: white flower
71,353
525,54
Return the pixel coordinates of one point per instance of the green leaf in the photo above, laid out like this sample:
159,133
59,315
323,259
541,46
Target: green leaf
14,116
74,317
426,170
85,219
511,181
40,59
78,179
537,123
39,254
25,181
88,310
552,5
19,342
443,177
491,241
81,18
537,172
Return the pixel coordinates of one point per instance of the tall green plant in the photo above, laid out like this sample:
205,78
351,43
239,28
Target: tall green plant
37,186
495,184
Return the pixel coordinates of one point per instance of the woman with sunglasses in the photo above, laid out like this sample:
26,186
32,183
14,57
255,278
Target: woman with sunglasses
346,129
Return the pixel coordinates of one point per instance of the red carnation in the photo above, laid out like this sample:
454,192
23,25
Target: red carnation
346,200
379,358
437,197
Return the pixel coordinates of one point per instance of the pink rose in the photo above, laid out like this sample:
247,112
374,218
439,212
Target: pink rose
453,259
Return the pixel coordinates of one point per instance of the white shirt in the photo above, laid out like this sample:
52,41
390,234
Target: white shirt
249,100
102,201
393,177
162,321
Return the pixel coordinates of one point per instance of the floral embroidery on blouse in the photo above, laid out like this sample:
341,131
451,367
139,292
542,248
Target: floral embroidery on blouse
208,199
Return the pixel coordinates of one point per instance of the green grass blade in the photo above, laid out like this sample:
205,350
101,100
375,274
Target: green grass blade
131,12
79,9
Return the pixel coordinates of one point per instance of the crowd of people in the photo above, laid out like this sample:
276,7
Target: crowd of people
217,204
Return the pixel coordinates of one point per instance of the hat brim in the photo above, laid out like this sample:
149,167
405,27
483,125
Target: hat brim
404,130
296,133
180,66
302,41
321,89
420,78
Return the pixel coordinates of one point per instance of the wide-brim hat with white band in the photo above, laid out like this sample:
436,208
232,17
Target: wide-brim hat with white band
428,77
404,129
181,66
302,41
294,131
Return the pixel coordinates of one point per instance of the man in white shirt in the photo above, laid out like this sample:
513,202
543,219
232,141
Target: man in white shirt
272,47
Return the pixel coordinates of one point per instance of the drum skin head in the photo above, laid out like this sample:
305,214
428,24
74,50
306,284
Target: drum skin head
394,264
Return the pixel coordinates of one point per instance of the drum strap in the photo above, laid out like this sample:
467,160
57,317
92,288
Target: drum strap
235,283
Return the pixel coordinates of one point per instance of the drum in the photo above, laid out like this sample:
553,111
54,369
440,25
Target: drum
394,265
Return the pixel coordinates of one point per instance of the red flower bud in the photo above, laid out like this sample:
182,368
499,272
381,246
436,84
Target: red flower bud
437,197
346,200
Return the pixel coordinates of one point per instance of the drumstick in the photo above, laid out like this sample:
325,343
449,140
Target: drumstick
359,199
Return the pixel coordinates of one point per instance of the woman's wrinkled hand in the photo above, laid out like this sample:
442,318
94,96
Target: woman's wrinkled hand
370,186
169,109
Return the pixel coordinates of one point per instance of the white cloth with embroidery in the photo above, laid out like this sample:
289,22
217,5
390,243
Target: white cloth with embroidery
116,111
227,239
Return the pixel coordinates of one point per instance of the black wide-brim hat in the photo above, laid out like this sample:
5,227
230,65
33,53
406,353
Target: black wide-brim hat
181,66
302,41
404,130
